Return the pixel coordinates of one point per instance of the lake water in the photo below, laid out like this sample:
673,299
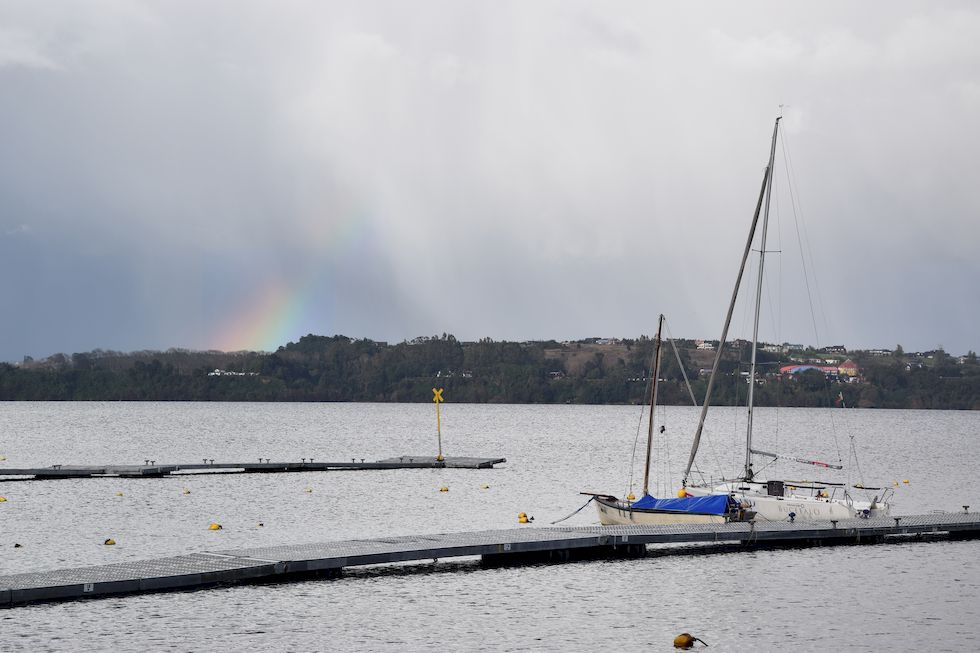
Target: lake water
906,596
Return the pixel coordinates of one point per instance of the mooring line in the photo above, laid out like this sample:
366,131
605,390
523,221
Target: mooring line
591,499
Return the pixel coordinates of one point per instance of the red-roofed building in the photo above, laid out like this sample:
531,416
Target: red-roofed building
798,369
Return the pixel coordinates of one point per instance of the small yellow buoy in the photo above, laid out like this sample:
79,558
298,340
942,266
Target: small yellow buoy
686,640
631,497
440,458
485,486
522,518
681,493
3,499
214,527
186,491
308,490
119,494
906,481
444,488
110,542
2,458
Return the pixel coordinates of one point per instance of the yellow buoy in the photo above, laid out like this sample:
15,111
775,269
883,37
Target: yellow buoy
109,542
3,499
444,488
681,493
186,491
2,458
119,494
631,497
309,489
485,487
214,527
906,481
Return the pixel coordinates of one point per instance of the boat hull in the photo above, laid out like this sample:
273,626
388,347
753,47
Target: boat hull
803,508
616,513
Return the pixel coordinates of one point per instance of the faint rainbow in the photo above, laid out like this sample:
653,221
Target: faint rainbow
275,313
258,325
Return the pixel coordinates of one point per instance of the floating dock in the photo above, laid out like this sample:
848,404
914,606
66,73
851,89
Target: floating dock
264,466
500,547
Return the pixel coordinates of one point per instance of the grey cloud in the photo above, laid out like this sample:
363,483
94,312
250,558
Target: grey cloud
509,170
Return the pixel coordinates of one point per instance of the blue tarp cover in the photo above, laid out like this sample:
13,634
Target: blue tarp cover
714,504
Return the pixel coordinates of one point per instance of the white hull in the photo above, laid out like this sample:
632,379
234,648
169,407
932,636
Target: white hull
621,515
804,508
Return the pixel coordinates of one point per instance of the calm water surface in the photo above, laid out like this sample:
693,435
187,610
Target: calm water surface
914,596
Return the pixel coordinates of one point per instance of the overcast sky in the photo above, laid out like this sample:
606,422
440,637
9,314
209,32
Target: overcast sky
237,174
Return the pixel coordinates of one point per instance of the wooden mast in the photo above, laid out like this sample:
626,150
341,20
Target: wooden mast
653,404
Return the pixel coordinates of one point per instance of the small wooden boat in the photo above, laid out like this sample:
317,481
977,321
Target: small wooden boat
712,508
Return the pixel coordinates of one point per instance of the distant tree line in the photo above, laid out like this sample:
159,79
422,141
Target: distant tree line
338,368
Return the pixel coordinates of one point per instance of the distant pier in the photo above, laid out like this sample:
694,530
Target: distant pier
150,469
500,547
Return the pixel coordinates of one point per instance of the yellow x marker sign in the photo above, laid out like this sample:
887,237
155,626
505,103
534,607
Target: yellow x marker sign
437,395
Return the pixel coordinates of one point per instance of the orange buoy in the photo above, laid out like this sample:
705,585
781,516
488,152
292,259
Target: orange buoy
686,640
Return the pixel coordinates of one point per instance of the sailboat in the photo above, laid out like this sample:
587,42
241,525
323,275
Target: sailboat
707,508
774,499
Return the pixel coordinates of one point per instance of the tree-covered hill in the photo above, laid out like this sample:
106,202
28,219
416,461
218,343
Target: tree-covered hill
590,371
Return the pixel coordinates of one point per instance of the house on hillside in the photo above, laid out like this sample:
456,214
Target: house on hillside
834,349
704,345
220,372
849,369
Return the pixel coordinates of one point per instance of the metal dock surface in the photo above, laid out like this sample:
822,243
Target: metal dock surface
511,546
264,466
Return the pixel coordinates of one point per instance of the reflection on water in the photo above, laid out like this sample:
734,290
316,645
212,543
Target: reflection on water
892,596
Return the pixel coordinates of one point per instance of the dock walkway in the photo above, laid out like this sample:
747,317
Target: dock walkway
510,546
264,466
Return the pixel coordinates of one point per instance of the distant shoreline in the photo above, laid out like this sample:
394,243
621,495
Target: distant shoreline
451,403
594,371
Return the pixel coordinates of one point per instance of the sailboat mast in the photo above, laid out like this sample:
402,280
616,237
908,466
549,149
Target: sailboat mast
653,404
724,331
758,306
